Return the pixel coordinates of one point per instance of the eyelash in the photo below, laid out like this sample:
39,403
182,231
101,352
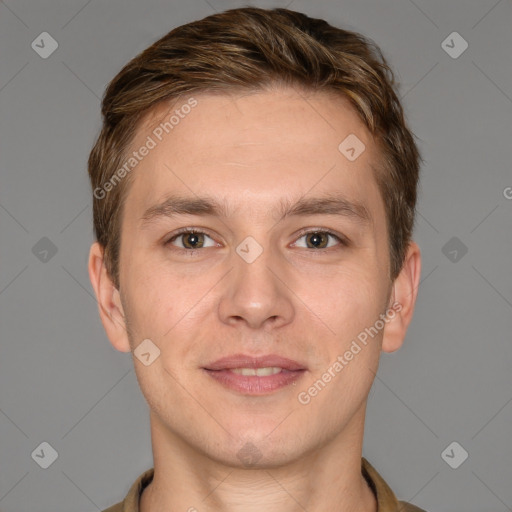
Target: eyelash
342,240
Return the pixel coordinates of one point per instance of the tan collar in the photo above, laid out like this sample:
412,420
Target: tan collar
386,499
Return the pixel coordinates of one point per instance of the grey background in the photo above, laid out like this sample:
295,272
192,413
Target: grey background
62,382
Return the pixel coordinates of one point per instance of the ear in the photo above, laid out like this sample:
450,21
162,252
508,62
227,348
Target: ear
403,299
109,300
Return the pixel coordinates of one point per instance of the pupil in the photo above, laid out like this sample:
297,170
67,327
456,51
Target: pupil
316,239
192,239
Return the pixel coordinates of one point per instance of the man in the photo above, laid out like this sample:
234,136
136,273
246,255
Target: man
254,192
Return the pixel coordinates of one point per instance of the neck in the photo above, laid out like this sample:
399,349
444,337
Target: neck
329,478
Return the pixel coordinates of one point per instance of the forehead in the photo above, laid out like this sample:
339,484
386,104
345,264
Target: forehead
254,148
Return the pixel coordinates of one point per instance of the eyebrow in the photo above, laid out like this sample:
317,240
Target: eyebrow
207,206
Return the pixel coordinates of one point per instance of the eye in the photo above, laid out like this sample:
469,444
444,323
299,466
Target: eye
190,239
319,239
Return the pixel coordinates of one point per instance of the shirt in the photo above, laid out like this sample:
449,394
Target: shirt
386,499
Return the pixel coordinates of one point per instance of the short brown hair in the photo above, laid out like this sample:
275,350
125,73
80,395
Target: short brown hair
249,49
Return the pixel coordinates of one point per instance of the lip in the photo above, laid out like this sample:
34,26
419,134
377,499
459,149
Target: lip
221,371
246,361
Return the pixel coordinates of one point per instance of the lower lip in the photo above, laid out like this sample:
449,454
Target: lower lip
254,385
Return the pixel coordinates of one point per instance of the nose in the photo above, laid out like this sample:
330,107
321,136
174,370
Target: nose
257,293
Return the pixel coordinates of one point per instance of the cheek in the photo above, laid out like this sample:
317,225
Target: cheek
351,307
150,299
347,300
165,307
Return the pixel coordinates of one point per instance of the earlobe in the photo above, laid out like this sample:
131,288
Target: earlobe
403,300
108,298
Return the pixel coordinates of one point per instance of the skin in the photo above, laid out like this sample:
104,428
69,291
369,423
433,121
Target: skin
295,300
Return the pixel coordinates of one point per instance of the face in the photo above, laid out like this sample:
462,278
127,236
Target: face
288,258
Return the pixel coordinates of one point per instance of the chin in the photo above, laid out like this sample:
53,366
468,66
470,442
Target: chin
256,450
250,455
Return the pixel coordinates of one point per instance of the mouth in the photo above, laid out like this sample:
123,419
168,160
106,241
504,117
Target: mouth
255,375
246,362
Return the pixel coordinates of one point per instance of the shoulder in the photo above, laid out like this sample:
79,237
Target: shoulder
132,499
115,508
407,507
